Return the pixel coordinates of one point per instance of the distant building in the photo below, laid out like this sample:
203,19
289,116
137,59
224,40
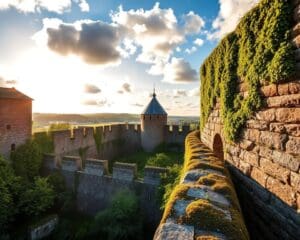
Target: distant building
153,122
15,119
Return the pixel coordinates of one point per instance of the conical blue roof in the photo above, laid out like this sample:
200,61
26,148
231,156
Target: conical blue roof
154,107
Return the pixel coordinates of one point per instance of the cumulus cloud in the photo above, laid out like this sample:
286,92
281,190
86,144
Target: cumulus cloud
84,6
179,71
58,6
199,42
92,89
96,42
120,91
191,50
229,16
157,32
193,23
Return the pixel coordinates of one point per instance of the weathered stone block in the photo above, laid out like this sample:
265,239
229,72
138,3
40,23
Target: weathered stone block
288,115
172,231
295,181
286,160
265,152
71,163
246,144
277,127
294,87
293,145
293,129
284,101
96,167
251,158
266,115
269,91
44,229
152,175
259,176
273,140
260,125
275,170
245,168
283,89
284,191
124,171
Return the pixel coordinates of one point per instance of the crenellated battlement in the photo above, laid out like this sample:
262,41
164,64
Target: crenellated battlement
121,171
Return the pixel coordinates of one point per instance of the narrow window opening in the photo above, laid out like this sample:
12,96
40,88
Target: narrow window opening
13,147
8,126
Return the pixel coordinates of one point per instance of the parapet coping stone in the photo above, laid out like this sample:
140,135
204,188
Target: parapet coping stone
96,161
155,169
70,158
125,165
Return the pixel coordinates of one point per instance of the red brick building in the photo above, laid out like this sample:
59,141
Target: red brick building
15,119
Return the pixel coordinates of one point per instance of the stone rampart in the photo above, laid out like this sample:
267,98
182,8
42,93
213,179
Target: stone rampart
204,204
95,187
265,161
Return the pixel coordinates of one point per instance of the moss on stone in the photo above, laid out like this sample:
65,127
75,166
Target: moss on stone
258,52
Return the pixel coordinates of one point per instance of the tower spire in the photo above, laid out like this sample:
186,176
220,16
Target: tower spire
154,94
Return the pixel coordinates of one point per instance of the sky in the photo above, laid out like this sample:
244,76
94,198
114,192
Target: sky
94,56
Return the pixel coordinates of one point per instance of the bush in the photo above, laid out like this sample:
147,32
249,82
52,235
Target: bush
121,220
59,126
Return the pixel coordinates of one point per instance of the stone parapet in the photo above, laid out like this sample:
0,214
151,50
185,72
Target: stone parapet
96,167
152,174
124,171
204,205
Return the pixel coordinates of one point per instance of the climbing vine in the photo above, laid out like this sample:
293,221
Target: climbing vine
258,52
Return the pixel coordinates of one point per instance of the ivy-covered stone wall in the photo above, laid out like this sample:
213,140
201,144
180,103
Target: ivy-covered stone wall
261,135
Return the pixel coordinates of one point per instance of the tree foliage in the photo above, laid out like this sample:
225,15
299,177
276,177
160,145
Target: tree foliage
258,52
27,160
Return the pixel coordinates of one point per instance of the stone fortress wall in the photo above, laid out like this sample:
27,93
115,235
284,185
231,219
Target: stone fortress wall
114,140
76,153
94,187
265,162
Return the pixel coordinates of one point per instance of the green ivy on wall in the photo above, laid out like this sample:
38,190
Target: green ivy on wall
258,52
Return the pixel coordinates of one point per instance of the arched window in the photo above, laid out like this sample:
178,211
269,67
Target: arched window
218,147
13,147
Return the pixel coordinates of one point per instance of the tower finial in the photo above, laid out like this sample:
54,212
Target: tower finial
154,94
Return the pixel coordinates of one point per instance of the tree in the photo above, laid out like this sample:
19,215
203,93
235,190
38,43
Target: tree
9,189
37,198
27,160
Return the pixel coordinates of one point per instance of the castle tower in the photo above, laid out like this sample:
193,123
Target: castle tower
153,122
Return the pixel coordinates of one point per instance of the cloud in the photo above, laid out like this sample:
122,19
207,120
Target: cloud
191,50
194,92
57,6
92,89
95,42
7,83
179,71
199,42
158,33
193,23
229,16
180,93
84,6
120,92
126,87
137,105
93,102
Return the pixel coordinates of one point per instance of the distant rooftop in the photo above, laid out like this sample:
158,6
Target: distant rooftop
154,107
12,93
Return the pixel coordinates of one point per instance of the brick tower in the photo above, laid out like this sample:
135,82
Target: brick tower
153,122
